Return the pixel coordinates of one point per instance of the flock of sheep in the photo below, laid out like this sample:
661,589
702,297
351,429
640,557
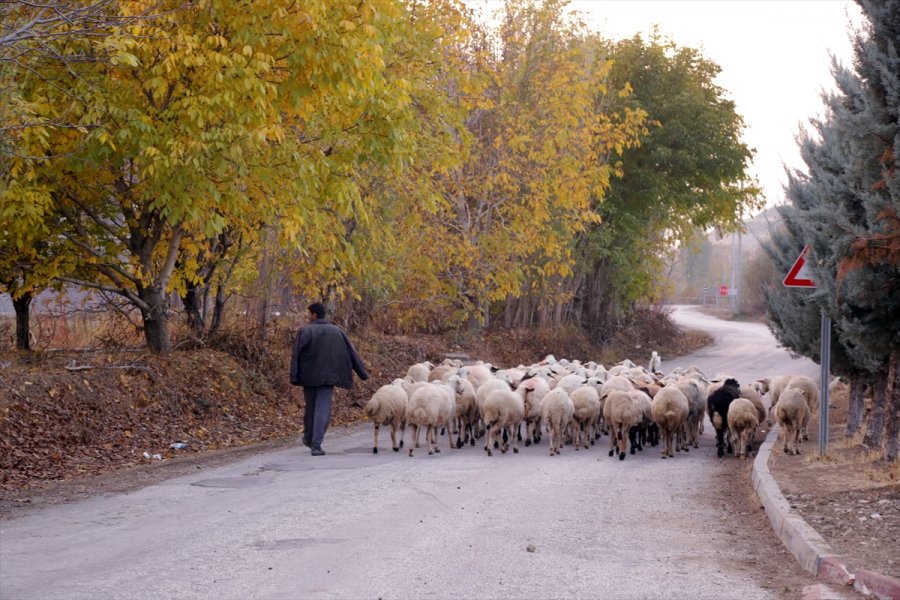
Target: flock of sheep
577,403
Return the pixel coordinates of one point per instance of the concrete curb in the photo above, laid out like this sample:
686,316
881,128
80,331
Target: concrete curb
804,542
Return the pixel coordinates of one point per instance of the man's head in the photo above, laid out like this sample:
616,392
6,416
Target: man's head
316,310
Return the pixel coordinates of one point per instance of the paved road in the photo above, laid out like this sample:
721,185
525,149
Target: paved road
745,350
454,525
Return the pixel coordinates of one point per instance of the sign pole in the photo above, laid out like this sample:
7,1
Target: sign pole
825,354
799,276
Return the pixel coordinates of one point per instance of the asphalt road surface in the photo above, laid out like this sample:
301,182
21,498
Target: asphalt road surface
454,525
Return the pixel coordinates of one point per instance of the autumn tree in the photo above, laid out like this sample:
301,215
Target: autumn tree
215,116
506,217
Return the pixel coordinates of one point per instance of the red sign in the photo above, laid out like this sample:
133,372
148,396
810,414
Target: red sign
723,290
799,275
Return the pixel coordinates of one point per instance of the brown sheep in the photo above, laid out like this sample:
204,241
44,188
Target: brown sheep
743,419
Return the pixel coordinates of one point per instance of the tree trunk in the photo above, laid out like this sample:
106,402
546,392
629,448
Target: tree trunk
856,407
892,427
22,306
508,312
156,321
192,307
875,427
218,309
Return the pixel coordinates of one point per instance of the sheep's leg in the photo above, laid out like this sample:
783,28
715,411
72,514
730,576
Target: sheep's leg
632,437
436,433
414,441
515,443
450,436
490,439
612,438
429,436
720,442
402,432
375,447
394,438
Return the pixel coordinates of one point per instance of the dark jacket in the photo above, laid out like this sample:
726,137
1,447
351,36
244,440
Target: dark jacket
323,355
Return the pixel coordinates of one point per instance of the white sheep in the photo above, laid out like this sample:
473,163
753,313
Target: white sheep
556,412
481,394
775,386
476,374
655,362
695,392
613,383
669,409
743,419
502,410
570,383
586,400
645,430
792,413
810,391
387,406
430,406
466,412
419,371
533,391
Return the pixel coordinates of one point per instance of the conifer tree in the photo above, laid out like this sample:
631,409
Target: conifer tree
847,208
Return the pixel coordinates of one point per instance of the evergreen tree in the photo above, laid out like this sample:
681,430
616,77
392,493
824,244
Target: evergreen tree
847,208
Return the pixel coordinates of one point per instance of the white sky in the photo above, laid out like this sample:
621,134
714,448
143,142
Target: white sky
774,56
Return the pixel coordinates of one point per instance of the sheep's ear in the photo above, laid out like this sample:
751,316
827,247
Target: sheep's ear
494,369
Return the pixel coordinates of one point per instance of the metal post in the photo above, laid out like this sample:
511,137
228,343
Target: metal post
825,354
733,272
739,266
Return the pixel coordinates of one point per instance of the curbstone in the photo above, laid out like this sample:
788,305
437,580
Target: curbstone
803,542
881,586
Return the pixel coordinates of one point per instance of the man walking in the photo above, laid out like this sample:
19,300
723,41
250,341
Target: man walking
323,358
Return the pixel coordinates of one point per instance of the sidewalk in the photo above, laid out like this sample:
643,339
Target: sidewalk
809,548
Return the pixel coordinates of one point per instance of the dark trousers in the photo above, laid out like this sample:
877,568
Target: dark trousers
316,414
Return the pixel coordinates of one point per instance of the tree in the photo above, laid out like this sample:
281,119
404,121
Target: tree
847,208
508,216
687,173
211,116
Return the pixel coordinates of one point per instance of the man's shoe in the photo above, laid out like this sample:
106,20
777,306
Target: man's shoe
317,452
305,443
